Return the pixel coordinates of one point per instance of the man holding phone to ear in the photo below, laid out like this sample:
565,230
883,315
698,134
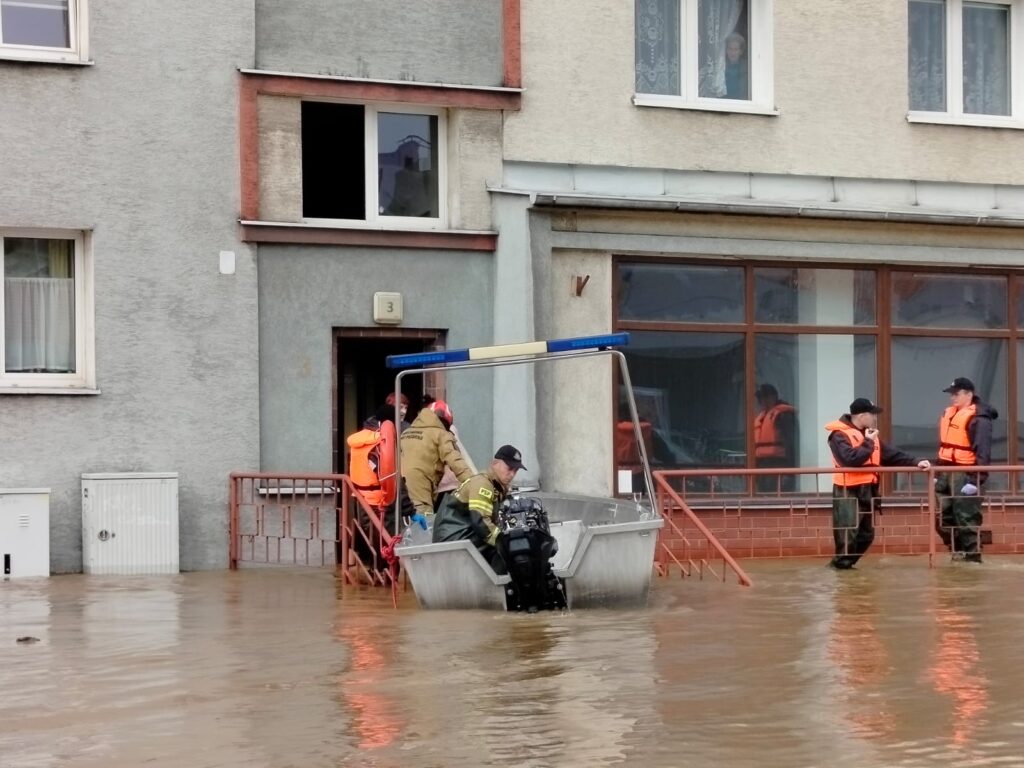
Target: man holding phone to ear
965,439
854,442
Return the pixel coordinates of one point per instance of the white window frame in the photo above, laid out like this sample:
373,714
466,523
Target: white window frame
78,37
760,52
84,378
954,114
375,220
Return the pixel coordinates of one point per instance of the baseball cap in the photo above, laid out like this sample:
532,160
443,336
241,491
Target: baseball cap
863,405
511,456
960,383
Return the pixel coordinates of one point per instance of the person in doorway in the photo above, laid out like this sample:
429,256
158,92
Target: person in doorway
965,439
403,409
470,512
428,446
854,443
774,439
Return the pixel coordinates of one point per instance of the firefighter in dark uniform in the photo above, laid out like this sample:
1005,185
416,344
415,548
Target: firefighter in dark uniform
965,439
470,512
854,442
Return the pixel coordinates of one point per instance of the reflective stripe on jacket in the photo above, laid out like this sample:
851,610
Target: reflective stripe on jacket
856,438
767,440
954,441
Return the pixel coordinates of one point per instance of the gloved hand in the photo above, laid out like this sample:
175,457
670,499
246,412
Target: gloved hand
418,518
969,489
492,539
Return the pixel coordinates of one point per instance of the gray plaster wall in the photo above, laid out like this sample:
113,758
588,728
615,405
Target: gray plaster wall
307,291
445,41
141,150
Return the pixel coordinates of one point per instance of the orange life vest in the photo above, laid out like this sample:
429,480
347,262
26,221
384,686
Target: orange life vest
954,441
626,451
767,442
371,464
856,438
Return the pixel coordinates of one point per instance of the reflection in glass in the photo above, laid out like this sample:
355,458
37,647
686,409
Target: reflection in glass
43,23
690,387
39,305
657,47
922,367
681,293
927,55
819,375
407,165
928,300
814,296
986,51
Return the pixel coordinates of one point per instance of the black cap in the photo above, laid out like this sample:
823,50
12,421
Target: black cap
863,405
511,456
960,383
766,390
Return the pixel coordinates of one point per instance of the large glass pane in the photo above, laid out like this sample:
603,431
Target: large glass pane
927,55
922,367
39,305
657,47
407,165
814,296
723,48
817,376
929,300
44,23
690,389
1018,292
681,293
986,59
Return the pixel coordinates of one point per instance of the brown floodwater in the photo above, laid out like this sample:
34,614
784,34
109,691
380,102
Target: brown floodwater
889,665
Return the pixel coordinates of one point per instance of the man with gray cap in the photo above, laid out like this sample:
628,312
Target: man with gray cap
965,439
470,511
854,443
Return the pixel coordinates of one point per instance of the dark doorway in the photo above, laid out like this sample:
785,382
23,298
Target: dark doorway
363,381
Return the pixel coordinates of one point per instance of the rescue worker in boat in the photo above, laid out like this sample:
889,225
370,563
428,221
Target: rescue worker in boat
854,443
774,438
471,511
428,446
965,439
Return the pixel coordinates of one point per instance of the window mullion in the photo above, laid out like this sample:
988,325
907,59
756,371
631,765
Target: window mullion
370,162
955,58
1016,59
3,312
688,39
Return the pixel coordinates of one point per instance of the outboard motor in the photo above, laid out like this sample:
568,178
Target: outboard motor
527,546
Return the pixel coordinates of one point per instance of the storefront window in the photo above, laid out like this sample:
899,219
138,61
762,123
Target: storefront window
929,300
682,294
814,296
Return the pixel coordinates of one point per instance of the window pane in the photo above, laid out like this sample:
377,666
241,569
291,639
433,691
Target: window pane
1020,406
1018,283
948,301
690,388
333,161
35,22
723,49
818,376
921,367
657,47
686,294
986,59
39,305
407,165
928,55
814,296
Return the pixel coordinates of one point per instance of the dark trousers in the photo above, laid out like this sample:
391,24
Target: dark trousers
774,483
959,517
853,526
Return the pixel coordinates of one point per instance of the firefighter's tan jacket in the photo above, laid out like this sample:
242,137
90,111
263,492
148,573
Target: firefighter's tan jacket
426,448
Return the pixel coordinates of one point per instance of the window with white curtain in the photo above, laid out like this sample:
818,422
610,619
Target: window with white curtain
43,309
44,30
962,56
704,54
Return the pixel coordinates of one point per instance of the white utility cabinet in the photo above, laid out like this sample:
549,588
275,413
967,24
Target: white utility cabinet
24,532
130,523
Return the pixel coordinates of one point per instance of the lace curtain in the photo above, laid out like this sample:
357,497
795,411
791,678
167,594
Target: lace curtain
986,59
39,324
717,20
657,47
927,64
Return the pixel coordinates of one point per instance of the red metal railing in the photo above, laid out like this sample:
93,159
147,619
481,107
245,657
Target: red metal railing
303,520
749,522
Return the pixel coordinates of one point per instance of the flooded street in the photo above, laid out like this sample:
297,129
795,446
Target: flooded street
889,665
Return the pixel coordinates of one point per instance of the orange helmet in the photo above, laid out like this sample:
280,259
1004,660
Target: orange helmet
444,413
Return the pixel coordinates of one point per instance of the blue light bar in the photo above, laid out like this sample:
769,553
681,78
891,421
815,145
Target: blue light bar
508,350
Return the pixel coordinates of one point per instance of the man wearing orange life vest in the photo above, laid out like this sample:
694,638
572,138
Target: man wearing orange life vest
854,443
371,464
774,438
965,439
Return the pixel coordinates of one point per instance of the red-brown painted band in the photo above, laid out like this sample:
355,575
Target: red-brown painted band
248,149
449,241
512,44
